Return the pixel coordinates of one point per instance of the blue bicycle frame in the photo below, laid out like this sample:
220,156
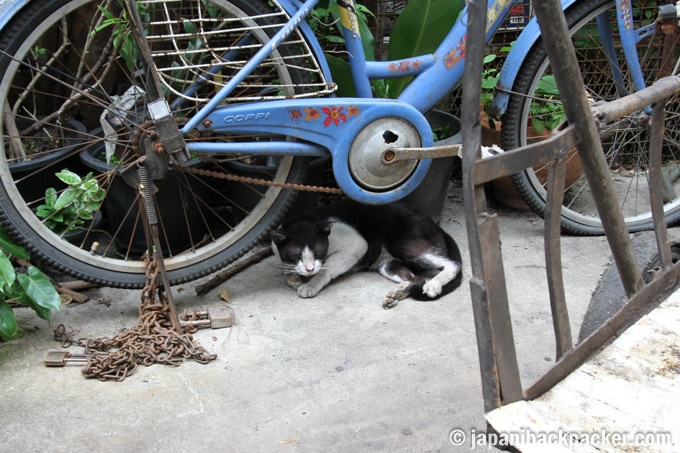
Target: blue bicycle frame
318,137
434,76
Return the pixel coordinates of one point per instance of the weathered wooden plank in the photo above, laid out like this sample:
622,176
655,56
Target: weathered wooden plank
631,387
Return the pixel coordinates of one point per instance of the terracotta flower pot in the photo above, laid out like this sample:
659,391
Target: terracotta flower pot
503,189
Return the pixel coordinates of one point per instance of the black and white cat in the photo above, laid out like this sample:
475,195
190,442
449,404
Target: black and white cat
397,240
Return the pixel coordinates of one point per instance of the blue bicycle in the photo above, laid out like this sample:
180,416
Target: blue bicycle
225,103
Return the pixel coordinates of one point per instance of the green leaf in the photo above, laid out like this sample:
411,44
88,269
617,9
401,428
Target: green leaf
420,28
85,215
9,329
91,207
39,288
342,76
335,39
43,211
42,312
99,195
489,58
189,26
489,82
10,247
66,198
50,196
70,178
7,275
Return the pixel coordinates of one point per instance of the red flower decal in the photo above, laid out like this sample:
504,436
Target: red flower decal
295,114
334,115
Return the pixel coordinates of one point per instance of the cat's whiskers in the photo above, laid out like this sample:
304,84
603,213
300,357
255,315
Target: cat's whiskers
288,268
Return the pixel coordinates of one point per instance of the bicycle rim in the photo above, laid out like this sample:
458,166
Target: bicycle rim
532,113
73,88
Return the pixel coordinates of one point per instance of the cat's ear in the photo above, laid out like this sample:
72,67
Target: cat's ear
278,236
325,227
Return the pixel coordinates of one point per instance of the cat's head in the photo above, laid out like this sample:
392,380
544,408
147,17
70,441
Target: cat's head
302,246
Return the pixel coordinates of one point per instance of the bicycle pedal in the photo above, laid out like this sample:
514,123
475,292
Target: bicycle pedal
62,358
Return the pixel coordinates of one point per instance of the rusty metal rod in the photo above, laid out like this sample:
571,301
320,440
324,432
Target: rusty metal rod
608,112
655,184
553,255
150,207
501,382
570,84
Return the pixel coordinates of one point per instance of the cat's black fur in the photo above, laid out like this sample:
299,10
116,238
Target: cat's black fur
397,240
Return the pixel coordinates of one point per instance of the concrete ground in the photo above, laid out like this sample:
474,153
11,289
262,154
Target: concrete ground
334,373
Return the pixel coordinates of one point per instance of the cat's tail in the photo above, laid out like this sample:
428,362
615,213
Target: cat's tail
419,289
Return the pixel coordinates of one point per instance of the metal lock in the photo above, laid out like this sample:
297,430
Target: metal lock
214,317
62,358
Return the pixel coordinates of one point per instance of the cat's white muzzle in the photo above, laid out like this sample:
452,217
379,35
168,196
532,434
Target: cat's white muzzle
308,264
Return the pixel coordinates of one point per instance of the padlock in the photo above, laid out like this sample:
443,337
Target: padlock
62,358
214,317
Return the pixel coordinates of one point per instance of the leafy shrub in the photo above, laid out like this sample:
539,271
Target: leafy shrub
31,288
78,203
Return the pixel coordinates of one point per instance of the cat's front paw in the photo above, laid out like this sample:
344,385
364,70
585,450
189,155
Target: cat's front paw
294,281
307,290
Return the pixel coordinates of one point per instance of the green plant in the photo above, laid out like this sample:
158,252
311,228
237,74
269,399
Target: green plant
123,38
489,81
31,288
76,204
546,110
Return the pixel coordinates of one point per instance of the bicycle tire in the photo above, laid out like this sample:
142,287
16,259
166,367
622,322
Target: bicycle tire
61,63
624,142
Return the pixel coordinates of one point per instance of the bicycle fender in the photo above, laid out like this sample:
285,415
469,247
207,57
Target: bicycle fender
8,9
514,60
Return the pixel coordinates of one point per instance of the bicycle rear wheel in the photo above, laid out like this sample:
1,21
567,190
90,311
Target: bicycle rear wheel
73,87
535,108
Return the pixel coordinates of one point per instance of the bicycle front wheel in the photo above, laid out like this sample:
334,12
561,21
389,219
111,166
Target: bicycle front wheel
535,108
74,87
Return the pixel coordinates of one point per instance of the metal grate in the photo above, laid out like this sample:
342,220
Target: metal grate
198,57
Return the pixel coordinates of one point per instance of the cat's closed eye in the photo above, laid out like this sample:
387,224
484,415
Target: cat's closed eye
294,252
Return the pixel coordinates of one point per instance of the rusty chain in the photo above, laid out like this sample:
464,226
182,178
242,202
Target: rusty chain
257,181
147,128
151,341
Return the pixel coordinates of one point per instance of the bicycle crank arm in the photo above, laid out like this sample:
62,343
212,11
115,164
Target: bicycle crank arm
445,148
